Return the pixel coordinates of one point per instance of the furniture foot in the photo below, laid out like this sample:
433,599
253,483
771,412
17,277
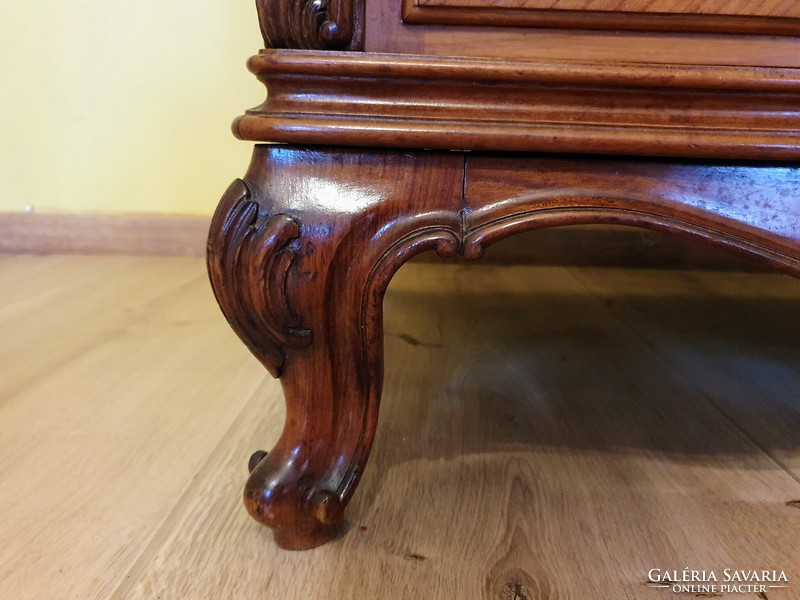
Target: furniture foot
300,253
300,488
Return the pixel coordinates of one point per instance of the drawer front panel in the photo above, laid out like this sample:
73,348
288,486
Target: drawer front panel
774,17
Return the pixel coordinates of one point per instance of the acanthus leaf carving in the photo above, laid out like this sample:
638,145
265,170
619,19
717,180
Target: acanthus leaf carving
250,254
308,24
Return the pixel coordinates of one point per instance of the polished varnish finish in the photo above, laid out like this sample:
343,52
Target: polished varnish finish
469,104
311,23
300,254
750,209
386,31
391,155
773,17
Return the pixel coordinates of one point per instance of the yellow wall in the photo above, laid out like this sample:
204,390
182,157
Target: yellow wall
118,106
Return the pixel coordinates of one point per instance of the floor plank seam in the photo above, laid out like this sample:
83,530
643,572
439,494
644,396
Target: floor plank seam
780,464
666,361
121,592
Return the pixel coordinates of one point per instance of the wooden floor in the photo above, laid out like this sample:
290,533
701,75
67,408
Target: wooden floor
546,432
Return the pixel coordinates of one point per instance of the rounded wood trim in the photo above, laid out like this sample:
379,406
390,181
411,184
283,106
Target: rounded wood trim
478,238
629,74
380,100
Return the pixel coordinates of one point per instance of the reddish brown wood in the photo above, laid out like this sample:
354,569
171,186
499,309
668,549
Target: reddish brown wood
699,8
386,32
749,209
454,103
300,253
311,23
771,17
301,250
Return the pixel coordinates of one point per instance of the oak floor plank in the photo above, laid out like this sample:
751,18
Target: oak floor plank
744,328
53,309
129,379
531,445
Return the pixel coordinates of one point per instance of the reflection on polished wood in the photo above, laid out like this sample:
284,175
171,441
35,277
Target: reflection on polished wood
301,251
582,41
551,431
771,17
388,154
650,109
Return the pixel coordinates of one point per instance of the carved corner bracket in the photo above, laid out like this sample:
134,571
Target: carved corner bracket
311,24
250,254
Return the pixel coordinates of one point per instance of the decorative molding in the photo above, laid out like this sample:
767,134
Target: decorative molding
771,20
609,246
387,100
476,239
310,24
250,254
442,236
747,208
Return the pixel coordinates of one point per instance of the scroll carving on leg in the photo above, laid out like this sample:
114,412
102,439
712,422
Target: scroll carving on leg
249,255
300,253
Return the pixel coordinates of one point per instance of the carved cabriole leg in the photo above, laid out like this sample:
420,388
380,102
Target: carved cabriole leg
301,251
299,256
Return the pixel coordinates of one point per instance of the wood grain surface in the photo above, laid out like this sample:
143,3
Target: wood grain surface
770,17
69,233
750,204
575,37
109,405
300,253
457,103
546,432
311,24
764,8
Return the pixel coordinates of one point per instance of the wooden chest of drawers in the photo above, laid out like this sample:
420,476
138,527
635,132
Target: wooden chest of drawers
392,127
